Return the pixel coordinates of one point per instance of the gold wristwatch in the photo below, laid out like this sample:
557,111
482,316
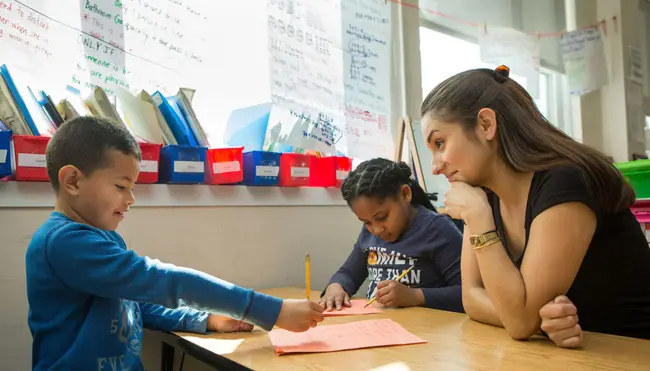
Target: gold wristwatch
479,241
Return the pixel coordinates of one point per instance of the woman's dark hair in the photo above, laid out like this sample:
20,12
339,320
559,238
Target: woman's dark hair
380,178
527,142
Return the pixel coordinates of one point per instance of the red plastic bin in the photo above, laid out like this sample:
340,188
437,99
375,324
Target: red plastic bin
149,163
29,154
329,171
224,165
294,169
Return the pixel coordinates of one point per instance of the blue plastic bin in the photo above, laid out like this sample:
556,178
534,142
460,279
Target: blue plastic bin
261,168
182,164
5,153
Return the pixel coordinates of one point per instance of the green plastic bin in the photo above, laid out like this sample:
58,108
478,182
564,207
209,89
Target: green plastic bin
637,173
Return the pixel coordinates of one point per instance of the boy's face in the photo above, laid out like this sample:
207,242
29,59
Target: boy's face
102,198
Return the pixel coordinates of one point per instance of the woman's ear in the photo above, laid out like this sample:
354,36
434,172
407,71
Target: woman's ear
487,123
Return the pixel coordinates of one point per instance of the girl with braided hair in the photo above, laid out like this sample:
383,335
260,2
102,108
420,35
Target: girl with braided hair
401,229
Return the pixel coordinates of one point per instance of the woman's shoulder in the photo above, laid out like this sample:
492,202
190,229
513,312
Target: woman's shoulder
557,185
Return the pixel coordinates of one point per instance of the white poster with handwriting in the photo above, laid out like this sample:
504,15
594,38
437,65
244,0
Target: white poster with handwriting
306,72
367,70
515,49
152,45
583,55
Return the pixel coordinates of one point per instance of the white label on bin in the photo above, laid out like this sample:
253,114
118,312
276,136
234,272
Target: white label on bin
226,167
267,170
31,160
3,156
299,172
341,174
188,166
149,166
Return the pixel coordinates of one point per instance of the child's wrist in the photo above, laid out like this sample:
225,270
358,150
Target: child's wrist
419,299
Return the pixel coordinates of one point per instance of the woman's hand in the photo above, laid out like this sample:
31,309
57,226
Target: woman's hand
470,204
335,297
395,294
560,322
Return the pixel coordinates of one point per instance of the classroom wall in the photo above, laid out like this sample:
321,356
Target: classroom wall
258,247
609,121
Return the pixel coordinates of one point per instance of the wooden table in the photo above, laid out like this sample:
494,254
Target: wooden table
454,343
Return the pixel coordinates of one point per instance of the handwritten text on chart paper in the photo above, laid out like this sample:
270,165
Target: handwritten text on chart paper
118,42
366,35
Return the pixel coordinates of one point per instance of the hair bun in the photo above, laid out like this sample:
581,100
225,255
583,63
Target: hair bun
502,73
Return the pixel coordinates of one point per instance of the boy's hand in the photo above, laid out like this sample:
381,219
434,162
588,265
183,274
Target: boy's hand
335,297
394,294
227,324
299,315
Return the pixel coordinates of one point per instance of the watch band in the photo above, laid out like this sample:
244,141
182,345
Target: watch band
484,239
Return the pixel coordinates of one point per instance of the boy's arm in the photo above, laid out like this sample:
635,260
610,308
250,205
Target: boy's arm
352,273
159,318
446,243
86,261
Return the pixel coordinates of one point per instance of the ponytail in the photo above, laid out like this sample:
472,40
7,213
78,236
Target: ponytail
419,197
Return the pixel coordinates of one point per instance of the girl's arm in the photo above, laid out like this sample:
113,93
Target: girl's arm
446,242
352,273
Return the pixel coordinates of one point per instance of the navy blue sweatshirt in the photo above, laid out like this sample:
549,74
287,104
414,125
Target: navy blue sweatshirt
89,299
432,242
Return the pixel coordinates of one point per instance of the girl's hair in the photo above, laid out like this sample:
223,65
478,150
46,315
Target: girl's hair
381,178
527,142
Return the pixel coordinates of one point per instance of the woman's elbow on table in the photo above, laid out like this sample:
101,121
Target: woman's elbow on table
523,328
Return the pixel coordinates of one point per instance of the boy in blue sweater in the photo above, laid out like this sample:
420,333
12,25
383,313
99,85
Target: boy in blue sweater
401,229
89,297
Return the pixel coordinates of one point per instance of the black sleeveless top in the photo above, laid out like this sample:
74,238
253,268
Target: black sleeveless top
612,288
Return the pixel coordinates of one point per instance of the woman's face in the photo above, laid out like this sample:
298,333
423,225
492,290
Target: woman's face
458,154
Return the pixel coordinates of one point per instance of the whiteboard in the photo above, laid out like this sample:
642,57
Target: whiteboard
331,74
152,45
432,183
217,47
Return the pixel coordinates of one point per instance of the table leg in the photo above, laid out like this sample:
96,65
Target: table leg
167,357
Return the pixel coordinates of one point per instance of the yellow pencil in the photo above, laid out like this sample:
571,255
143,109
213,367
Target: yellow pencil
308,276
396,279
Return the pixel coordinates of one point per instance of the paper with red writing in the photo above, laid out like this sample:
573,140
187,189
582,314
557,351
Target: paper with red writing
356,309
347,336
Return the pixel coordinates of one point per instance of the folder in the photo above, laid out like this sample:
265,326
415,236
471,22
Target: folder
10,114
168,137
184,102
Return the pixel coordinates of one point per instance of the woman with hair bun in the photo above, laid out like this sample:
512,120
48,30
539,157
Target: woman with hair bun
548,227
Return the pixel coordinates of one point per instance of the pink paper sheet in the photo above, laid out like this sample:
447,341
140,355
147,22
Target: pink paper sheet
355,310
347,336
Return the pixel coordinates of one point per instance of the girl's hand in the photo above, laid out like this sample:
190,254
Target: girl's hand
335,297
395,294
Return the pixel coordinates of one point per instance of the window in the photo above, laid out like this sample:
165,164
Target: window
437,66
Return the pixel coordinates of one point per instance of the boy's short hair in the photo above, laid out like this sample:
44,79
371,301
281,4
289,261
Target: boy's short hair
83,142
